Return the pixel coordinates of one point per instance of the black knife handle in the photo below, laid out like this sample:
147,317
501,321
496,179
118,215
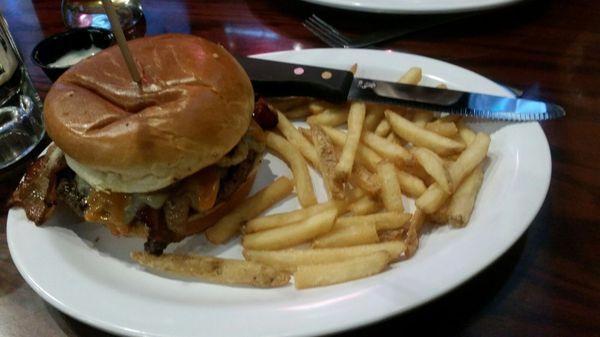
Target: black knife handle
271,78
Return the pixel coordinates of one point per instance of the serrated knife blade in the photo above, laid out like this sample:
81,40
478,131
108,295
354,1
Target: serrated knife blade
453,101
271,78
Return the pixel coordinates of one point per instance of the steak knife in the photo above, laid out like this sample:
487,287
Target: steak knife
271,78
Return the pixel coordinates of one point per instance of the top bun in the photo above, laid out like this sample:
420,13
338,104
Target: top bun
195,105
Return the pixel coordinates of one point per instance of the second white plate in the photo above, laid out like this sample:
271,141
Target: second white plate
413,6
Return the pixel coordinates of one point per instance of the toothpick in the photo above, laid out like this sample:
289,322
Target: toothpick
118,31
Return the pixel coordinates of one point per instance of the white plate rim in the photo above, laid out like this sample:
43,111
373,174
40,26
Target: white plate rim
109,326
418,7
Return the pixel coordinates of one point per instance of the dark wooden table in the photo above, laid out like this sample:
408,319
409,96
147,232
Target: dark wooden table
548,283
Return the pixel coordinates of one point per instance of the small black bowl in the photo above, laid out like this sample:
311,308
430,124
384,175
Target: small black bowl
54,47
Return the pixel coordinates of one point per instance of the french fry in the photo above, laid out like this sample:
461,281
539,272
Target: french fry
393,235
442,86
446,129
328,158
348,236
383,128
295,138
230,224
288,218
329,117
374,116
289,102
363,178
354,68
390,192
364,205
411,185
421,137
412,76
433,198
214,269
473,155
290,259
307,276
440,216
292,235
434,165
419,172
364,154
316,106
296,113
466,134
386,149
463,200
353,195
470,158
393,138
416,222
422,117
303,183
356,118
381,221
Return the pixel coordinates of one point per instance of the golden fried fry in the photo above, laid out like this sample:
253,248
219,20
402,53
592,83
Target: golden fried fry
302,180
386,149
231,223
348,236
446,129
421,137
374,116
364,205
307,276
434,166
290,259
390,192
435,196
295,138
363,178
328,158
292,235
364,154
330,117
288,218
356,118
411,185
463,200
214,269
422,117
412,76
381,221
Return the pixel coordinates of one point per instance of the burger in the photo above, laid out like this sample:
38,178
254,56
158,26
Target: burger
163,160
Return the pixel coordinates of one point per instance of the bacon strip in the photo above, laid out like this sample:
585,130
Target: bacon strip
36,193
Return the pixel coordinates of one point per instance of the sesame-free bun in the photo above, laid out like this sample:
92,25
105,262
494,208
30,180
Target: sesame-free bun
195,105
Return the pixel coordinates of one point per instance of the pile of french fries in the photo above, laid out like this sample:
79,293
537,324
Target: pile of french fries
385,156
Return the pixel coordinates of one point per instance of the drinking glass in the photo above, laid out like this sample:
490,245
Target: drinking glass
21,125
90,13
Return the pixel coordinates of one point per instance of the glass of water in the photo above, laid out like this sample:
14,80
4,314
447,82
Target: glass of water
21,124
90,13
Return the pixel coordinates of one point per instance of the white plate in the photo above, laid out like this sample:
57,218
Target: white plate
85,272
413,6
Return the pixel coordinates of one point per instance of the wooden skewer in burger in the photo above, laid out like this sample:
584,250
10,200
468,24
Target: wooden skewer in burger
121,41
163,162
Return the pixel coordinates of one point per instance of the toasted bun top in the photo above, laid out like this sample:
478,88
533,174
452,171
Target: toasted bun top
195,105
